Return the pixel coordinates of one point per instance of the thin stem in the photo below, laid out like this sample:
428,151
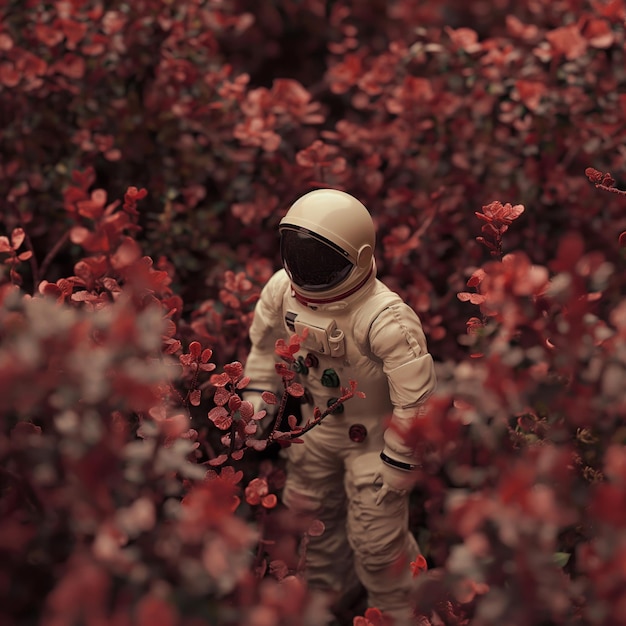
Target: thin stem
620,192
24,487
33,261
233,433
258,559
301,567
310,425
194,382
208,448
280,412
43,268
497,251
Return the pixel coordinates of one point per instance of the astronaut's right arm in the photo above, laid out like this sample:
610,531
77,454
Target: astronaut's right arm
267,326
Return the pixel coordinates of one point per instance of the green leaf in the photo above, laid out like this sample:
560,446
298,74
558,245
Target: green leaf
561,558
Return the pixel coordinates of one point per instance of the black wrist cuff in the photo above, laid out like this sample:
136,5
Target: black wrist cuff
398,464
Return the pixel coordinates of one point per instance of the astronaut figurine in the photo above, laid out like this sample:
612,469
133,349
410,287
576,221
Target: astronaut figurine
353,472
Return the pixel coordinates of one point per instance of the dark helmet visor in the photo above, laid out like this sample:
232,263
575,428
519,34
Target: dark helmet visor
312,262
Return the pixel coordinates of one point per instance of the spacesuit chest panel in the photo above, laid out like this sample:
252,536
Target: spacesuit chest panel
330,358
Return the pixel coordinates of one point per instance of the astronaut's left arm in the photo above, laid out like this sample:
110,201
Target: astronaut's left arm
396,338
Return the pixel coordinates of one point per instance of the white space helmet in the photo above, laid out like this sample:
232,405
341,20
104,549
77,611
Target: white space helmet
327,244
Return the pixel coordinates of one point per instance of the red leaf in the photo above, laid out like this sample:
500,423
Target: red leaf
48,35
136,194
246,409
269,397
286,350
84,178
474,298
608,180
172,347
570,249
194,349
257,488
476,278
187,360
72,66
221,396
220,417
219,460
234,402
6,43
93,207
220,380
234,370
74,31
126,254
279,569
15,277
154,611
284,372
269,501
175,426
486,243
195,396
599,34
244,382
31,65
258,444
474,325
418,566
530,92
516,28
593,175
316,529
24,430
464,38
80,235
17,238
296,390
568,41
9,76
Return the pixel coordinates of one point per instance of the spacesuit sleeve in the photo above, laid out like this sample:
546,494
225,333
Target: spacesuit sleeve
266,328
397,339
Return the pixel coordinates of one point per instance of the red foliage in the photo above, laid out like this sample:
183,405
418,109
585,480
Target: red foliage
373,617
257,492
118,302
418,566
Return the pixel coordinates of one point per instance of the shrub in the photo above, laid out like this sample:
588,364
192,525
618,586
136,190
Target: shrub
126,493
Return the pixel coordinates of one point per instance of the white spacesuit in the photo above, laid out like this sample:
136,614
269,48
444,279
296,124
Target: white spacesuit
352,472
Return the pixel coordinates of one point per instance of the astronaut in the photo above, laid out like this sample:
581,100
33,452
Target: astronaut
353,471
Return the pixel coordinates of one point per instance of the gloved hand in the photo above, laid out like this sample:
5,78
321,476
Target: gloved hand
394,479
398,466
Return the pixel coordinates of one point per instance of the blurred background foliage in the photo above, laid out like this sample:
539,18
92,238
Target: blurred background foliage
149,150
228,110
